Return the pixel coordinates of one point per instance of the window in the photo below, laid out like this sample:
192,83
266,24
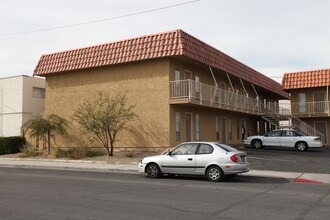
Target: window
198,127
302,102
290,133
177,126
197,87
185,149
227,148
217,130
238,129
274,133
205,149
177,83
38,92
230,129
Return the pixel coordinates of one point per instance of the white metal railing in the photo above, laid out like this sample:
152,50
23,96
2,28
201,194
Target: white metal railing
216,97
306,128
205,94
310,108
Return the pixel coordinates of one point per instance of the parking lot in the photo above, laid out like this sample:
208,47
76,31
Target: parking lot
289,160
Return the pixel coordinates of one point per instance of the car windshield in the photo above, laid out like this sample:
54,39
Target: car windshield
226,147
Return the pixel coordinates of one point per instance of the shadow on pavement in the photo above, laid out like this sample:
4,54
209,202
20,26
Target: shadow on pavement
236,179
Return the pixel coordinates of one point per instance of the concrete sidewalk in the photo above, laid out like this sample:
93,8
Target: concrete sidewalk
101,166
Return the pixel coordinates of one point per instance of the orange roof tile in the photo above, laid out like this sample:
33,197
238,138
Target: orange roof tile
306,79
167,44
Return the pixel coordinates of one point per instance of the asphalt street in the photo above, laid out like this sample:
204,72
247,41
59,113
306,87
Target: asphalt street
55,194
289,160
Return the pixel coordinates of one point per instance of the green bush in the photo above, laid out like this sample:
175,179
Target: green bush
77,153
29,152
11,145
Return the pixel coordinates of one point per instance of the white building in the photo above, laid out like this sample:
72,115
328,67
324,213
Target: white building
21,98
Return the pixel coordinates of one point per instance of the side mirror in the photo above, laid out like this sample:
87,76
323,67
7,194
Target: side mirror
169,153
266,135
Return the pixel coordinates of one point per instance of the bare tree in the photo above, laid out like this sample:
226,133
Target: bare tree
104,118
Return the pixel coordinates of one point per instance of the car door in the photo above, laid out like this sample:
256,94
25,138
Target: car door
181,160
203,157
289,138
272,138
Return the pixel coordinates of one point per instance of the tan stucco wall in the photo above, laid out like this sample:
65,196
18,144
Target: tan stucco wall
208,124
146,85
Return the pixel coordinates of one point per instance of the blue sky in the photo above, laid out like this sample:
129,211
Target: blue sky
272,37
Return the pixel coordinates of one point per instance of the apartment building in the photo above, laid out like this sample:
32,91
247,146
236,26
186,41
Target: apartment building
310,99
21,98
183,90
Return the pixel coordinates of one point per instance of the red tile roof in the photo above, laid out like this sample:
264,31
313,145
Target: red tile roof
173,43
306,79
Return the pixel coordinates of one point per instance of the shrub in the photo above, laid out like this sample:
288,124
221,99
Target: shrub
77,153
11,145
29,152
59,153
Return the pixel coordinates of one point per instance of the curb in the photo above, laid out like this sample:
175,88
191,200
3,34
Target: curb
303,180
103,166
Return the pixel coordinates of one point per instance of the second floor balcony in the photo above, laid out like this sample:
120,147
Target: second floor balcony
190,91
311,109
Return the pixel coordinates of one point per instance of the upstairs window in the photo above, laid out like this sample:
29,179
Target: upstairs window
38,93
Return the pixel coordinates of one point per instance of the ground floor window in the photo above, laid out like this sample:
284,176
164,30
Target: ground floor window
177,126
197,127
217,130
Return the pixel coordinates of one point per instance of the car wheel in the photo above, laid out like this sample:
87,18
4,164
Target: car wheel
214,174
153,170
257,144
301,146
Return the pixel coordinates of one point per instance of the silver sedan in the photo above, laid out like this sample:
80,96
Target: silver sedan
210,159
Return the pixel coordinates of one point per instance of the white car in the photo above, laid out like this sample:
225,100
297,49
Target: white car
210,159
284,138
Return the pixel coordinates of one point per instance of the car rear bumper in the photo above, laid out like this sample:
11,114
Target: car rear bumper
315,145
235,168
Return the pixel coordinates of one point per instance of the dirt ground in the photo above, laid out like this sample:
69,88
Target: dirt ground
118,158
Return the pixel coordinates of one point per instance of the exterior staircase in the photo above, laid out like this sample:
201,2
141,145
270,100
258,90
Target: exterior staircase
282,118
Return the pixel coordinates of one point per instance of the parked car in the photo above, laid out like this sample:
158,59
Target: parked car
284,138
210,159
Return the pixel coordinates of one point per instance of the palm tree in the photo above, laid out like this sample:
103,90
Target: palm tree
45,127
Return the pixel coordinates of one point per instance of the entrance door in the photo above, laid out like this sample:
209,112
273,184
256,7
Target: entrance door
188,127
223,131
321,126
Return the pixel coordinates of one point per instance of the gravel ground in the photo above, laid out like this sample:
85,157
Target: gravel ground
118,158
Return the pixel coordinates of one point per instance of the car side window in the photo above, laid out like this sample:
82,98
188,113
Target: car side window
274,134
205,149
185,149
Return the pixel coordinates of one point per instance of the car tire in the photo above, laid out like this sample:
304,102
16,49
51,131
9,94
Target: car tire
153,170
214,174
257,144
301,146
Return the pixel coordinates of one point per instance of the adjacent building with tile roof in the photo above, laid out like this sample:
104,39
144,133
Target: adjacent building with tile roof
310,98
183,89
